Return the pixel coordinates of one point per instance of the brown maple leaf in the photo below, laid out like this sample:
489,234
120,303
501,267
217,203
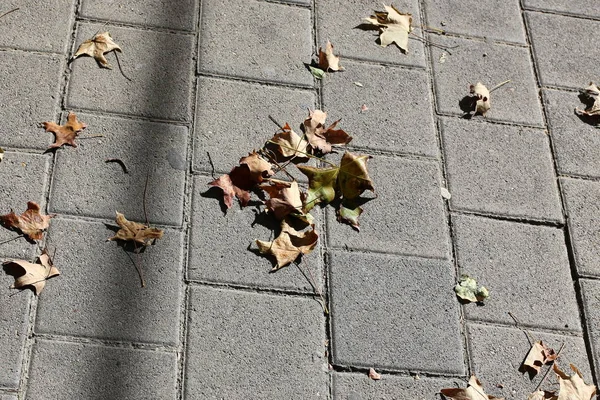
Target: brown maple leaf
30,274
65,134
289,245
320,137
591,97
573,387
474,391
393,25
289,143
285,198
374,375
31,223
537,357
135,232
542,395
329,61
96,47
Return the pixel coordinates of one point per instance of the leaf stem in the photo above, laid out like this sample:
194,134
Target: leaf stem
499,85
550,368
316,287
8,12
11,239
121,69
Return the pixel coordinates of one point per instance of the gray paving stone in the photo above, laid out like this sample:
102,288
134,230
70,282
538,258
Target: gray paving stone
582,206
497,354
500,170
340,29
37,25
591,304
576,144
563,56
500,20
256,346
473,61
98,294
150,13
23,178
270,41
585,8
519,264
242,108
407,217
7,397
348,386
210,261
68,371
380,318
29,97
158,63
84,184
384,126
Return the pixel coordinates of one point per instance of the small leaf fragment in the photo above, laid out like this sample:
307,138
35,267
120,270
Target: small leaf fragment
96,47
317,72
445,193
30,274
1,154
349,213
136,232
289,245
590,96
474,391
573,387
536,358
65,134
374,375
542,395
31,223
481,97
468,290
394,27
329,61
358,84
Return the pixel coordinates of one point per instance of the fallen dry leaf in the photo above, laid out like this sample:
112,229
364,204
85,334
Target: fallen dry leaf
573,387
468,290
1,154
474,391
317,72
289,245
374,375
481,97
537,357
445,193
542,395
285,198
96,47
591,97
31,223
65,134
321,138
136,232
290,144
394,27
329,61
30,274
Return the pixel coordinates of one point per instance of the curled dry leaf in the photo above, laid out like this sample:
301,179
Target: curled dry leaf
30,274
481,96
31,223
591,97
289,245
374,375
290,144
65,134
96,47
135,232
329,61
284,198
394,27
542,395
474,391
537,357
317,72
1,154
468,290
573,387
320,137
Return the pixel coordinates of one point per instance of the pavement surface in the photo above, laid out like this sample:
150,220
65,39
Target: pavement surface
213,323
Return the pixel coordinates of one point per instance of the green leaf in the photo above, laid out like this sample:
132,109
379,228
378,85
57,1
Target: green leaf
321,185
353,178
317,72
468,290
349,213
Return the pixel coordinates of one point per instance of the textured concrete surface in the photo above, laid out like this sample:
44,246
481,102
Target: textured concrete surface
13,333
590,290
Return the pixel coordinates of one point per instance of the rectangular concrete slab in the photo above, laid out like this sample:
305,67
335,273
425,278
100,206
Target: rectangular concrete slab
232,119
147,149
582,199
37,25
157,63
98,294
23,178
380,318
221,242
14,317
496,20
354,386
269,42
576,143
8,397
62,370
407,216
500,170
584,8
341,28
563,57
519,264
256,346
399,115
590,293
475,61
167,14
497,354
28,98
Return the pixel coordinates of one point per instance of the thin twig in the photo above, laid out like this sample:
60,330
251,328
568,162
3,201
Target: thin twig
431,28
118,161
121,69
272,160
144,198
550,368
276,123
139,267
11,239
302,152
212,165
316,287
430,43
8,12
499,85
89,137
530,337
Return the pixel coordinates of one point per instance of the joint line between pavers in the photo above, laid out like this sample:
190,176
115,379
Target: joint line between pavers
493,121
106,221
347,249
586,178
476,38
395,372
132,117
283,84
560,13
509,218
537,328
141,27
252,289
368,61
115,344
36,52
287,3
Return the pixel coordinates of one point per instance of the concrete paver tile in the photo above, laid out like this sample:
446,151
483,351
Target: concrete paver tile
22,179
474,61
98,294
497,354
340,28
407,217
582,203
591,304
157,63
211,230
352,386
13,332
563,56
576,144
180,14
68,371
232,119
519,264
37,25
386,126
499,20
268,42
29,97
379,317
585,8
150,149
7,397
256,345
500,170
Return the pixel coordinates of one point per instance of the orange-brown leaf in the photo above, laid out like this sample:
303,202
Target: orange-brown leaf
474,391
284,198
374,375
30,274
96,47
573,387
320,137
289,245
65,134
329,61
31,223
290,144
538,356
135,232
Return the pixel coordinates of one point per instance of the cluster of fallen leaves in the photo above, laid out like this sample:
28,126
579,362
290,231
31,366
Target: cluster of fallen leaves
340,185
